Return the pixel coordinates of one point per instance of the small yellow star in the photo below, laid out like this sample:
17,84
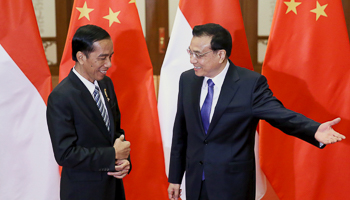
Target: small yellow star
292,6
112,17
84,11
319,10
132,1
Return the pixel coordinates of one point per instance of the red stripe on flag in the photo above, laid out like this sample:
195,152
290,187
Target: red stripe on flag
227,14
21,39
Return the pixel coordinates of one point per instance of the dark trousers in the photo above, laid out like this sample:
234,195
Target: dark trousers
203,195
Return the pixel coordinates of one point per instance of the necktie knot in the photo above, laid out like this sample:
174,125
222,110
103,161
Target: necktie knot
210,83
96,91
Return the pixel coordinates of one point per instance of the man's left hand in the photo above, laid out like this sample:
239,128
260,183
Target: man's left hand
121,169
326,134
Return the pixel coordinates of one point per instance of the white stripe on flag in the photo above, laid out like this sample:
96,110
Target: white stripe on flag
260,176
28,169
175,62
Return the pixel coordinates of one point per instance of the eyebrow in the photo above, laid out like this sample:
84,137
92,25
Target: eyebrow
194,51
105,55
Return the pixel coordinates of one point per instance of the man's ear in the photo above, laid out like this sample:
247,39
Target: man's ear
222,55
81,57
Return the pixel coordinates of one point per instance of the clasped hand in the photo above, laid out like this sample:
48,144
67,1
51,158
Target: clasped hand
122,168
122,148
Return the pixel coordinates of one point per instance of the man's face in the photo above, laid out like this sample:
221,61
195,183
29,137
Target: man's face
99,61
209,64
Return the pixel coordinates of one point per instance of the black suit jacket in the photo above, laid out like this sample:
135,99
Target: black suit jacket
81,142
226,152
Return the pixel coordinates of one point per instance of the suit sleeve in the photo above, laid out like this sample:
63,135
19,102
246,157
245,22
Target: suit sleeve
68,153
267,107
179,143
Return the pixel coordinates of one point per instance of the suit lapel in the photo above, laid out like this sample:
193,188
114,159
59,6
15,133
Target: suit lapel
228,91
89,105
196,94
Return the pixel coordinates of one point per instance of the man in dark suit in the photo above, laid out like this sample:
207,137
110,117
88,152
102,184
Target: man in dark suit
219,107
84,123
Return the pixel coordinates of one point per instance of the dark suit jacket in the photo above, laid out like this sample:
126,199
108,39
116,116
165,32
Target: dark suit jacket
226,153
81,142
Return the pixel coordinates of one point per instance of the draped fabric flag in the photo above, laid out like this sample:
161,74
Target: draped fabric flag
191,13
307,65
132,75
28,169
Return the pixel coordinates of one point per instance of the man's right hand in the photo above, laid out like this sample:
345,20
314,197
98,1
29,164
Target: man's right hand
174,191
122,148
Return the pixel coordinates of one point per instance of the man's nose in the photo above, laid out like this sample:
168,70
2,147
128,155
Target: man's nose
193,59
108,63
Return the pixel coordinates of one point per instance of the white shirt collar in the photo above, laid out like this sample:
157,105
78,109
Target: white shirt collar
218,79
90,86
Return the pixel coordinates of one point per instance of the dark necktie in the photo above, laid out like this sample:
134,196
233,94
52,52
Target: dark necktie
206,107
101,107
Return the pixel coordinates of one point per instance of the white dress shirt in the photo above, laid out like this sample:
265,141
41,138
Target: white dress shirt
91,87
218,80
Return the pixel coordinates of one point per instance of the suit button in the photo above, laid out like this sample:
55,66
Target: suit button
201,162
205,142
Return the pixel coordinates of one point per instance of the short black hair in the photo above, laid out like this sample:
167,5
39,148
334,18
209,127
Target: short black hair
84,39
221,38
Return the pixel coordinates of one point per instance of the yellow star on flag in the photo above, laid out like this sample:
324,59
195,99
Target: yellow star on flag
132,1
319,10
112,17
292,6
84,11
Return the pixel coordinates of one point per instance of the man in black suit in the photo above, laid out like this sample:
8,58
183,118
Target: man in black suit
84,123
219,107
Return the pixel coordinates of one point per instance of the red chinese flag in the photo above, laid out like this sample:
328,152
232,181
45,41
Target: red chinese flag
307,65
132,75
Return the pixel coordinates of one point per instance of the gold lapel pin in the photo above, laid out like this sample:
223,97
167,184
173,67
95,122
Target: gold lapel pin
106,94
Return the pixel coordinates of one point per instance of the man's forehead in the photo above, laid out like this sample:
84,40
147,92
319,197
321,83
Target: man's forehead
102,47
200,43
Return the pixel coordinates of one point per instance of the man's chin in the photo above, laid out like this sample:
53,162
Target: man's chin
100,77
198,73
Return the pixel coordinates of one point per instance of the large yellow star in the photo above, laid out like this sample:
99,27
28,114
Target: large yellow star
132,1
112,17
84,11
319,10
292,6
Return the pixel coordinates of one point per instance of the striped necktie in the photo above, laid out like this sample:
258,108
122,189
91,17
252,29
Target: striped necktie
101,107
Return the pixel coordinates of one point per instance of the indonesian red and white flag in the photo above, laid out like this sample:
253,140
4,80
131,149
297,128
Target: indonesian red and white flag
28,169
189,14
307,66
132,76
